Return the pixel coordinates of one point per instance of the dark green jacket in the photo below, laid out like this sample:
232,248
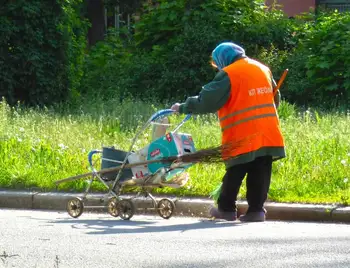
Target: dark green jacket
211,98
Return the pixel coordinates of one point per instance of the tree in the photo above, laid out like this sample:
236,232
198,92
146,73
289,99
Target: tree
95,14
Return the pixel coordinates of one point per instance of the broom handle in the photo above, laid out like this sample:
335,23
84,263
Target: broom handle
107,170
279,84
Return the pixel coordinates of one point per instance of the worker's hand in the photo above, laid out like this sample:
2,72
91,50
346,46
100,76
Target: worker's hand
175,107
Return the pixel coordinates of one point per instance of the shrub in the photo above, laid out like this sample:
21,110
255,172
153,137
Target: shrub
169,58
103,66
319,62
41,49
326,49
318,65
115,69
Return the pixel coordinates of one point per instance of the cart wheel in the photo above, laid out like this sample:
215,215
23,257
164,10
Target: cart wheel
166,208
126,209
113,207
75,207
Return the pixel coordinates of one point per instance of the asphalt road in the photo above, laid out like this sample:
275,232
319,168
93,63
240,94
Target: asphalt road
53,239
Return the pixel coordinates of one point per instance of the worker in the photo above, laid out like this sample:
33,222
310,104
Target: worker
242,93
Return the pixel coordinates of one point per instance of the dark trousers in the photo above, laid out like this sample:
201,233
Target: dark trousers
258,183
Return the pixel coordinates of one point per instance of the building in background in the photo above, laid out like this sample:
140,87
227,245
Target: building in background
341,5
295,7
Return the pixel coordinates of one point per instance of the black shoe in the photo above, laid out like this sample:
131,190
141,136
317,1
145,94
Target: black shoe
253,217
218,214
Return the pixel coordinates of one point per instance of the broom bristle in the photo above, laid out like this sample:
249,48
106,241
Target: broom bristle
214,154
209,155
216,193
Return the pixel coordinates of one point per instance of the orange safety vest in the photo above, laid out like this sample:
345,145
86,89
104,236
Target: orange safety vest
250,113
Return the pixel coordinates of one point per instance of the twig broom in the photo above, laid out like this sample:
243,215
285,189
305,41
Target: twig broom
209,156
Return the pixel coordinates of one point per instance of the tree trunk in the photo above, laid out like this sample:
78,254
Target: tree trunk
95,13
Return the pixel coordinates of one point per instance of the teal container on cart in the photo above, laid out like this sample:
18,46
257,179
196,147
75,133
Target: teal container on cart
171,144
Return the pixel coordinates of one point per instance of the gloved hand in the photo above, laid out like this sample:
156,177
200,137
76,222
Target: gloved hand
175,107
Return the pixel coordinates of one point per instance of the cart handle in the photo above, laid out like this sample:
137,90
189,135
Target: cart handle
166,112
160,114
90,155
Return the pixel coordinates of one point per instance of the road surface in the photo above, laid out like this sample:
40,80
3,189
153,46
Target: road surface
53,239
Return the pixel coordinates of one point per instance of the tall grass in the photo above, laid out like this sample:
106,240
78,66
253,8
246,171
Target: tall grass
40,146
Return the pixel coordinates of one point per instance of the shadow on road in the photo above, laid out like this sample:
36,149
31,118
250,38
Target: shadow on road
109,226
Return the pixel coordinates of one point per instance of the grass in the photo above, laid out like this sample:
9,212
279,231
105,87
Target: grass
38,147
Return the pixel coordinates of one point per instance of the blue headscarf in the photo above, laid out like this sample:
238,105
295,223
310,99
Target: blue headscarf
226,53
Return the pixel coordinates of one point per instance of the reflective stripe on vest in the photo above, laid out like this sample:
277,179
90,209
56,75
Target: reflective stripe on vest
248,118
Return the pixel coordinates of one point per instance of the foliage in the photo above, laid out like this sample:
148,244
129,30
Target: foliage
43,58
126,5
251,25
186,66
246,22
75,29
104,66
169,58
160,24
319,65
329,57
39,147
41,50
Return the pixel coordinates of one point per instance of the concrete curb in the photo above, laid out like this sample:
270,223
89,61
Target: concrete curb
196,207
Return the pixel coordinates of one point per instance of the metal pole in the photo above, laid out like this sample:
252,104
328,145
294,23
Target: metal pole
117,19
128,22
106,18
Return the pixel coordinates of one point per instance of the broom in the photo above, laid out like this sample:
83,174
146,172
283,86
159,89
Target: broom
280,82
209,156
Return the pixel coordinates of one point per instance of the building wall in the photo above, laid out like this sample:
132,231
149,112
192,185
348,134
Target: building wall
294,7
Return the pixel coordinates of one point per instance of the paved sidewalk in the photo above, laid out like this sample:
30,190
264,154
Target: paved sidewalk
197,207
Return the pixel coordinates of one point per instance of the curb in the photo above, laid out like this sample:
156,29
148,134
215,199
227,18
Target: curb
193,207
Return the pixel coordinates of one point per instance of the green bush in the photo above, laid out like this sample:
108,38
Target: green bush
319,65
115,69
170,53
103,67
160,24
168,57
41,50
328,60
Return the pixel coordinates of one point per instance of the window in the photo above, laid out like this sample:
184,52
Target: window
340,5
